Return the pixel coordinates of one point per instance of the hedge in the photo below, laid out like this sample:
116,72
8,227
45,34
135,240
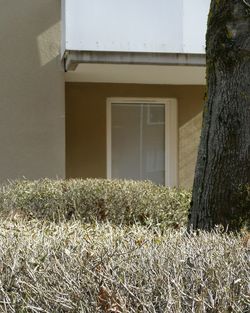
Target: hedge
117,201
91,268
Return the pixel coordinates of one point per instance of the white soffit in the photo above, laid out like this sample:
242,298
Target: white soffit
138,74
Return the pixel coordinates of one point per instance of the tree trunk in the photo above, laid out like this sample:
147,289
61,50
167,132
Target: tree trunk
223,163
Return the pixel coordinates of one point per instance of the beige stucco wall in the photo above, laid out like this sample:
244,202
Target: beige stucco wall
32,140
189,138
86,124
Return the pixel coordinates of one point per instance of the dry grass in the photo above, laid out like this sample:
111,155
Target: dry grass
76,267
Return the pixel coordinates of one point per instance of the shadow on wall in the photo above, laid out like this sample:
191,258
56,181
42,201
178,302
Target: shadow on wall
32,97
189,138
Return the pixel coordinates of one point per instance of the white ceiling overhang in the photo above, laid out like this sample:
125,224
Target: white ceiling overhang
138,74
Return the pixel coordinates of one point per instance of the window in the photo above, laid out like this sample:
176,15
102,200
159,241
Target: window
142,139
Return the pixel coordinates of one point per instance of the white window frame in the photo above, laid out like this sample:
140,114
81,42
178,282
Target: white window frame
171,134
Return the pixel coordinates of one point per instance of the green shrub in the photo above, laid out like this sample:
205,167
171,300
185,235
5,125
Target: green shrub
81,268
118,201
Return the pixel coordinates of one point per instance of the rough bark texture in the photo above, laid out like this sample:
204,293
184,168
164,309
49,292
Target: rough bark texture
220,191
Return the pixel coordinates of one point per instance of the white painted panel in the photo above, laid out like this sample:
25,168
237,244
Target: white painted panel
63,28
195,25
124,25
136,25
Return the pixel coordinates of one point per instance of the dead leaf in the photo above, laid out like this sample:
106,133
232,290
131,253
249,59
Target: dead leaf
108,302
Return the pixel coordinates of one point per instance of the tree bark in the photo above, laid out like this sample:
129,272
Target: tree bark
223,164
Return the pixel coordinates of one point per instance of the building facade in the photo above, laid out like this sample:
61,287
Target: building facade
101,89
